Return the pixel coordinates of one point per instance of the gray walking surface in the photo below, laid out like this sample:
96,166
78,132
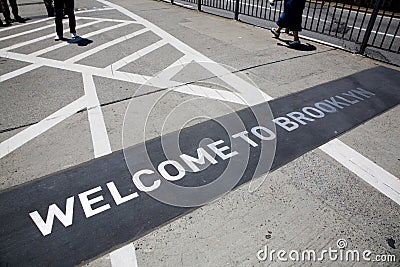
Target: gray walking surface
64,106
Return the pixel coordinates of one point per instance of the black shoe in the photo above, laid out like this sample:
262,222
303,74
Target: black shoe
21,19
275,33
60,38
8,22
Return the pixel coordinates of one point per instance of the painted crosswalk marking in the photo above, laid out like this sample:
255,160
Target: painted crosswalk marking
390,186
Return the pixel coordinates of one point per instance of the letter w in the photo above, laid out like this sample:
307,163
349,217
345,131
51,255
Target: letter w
54,210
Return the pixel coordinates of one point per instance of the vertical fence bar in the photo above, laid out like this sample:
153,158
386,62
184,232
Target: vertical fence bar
199,5
394,36
370,26
237,9
320,15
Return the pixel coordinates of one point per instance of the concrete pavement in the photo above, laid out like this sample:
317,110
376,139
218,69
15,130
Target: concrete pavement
309,203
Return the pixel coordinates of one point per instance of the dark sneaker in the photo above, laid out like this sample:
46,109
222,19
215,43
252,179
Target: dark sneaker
275,33
294,43
21,19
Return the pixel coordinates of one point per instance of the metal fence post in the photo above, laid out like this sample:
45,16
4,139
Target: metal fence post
370,26
237,9
172,1
199,5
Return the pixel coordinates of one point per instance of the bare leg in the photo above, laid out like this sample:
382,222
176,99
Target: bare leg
296,36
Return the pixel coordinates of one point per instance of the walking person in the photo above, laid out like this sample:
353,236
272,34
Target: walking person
66,7
49,7
291,19
14,8
1,11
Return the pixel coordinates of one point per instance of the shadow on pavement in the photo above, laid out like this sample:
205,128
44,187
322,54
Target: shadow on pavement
80,41
300,47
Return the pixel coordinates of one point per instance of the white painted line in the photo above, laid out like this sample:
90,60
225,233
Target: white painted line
88,35
18,72
174,68
52,18
124,257
26,32
142,52
45,37
93,10
100,140
25,24
321,42
183,5
394,182
106,20
184,48
131,77
245,89
35,130
385,182
381,33
211,93
105,45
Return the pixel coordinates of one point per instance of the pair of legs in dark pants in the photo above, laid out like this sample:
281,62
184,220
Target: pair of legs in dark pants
60,11
14,8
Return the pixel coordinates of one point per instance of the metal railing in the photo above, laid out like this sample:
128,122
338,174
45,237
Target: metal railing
366,23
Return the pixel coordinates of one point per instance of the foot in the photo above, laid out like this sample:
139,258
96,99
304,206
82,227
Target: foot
271,2
275,32
74,35
21,19
294,43
7,22
59,38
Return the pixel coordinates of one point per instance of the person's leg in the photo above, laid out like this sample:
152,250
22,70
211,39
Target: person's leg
58,8
14,8
296,36
296,40
282,23
69,10
6,12
49,7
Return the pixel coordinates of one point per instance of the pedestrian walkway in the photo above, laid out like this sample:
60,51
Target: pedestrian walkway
74,98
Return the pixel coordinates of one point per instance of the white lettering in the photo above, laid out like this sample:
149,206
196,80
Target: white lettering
66,219
117,196
363,92
308,110
350,93
87,203
168,176
299,117
286,124
257,132
325,107
336,103
348,101
138,183
202,155
219,151
244,136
